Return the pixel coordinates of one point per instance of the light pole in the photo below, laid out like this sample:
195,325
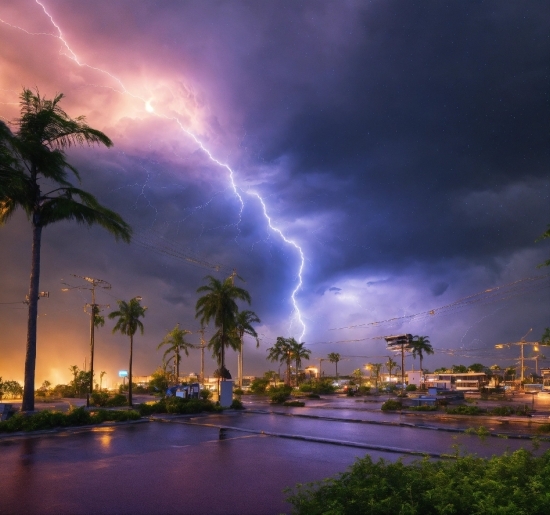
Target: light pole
94,313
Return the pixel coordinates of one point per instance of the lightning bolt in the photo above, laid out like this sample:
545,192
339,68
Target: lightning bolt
148,107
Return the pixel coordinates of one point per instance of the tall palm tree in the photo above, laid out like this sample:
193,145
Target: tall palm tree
419,346
176,342
74,370
334,357
299,352
281,352
243,322
129,314
101,374
375,367
390,365
218,304
32,159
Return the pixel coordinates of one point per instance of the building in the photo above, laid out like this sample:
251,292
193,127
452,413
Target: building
449,381
545,373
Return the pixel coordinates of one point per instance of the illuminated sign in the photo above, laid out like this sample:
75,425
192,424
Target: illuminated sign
123,373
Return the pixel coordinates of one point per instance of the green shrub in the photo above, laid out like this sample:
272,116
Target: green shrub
423,408
350,392
464,410
117,400
364,390
543,428
319,386
411,388
236,404
279,397
176,405
47,419
205,394
299,404
259,385
238,391
391,405
313,396
508,484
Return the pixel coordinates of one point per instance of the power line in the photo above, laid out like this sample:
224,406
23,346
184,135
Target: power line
496,294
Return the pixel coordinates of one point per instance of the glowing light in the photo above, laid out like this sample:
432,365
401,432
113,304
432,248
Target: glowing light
69,53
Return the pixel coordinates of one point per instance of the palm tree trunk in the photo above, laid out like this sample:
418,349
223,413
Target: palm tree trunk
30,358
240,371
130,371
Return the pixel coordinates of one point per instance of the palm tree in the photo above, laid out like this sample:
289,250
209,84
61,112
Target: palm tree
419,346
242,324
375,367
281,352
74,369
175,340
390,365
218,305
32,159
129,314
101,374
299,352
334,357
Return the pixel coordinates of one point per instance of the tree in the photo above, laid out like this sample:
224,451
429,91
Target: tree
358,375
299,352
376,368
129,314
476,367
496,372
219,306
419,346
176,342
101,374
459,369
545,339
243,322
74,369
390,365
33,159
334,357
281,352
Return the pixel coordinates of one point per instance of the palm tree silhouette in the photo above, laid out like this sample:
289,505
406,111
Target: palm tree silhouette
243,322
219,306
176,342
129,314
35,157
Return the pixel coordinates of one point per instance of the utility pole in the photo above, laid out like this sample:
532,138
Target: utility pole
522,343
94,312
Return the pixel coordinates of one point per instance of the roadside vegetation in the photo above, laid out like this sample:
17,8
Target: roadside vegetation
508,484
48,419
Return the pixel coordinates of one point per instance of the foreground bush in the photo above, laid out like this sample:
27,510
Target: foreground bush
177,405
391,405
318,386
47,419
104,400
509,484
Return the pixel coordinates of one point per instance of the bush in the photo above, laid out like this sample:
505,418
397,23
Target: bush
176,405
350,392
205,394
423,408
391,405
511,483
464,410
279,394
236,404
117,400
259,385
238,391
411,388
319,386
47,419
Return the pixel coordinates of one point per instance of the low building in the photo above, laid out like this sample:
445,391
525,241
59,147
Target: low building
465,381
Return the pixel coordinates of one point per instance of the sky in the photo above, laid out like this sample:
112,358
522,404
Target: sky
368,168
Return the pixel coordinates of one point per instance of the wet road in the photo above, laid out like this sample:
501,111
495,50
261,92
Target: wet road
183,466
